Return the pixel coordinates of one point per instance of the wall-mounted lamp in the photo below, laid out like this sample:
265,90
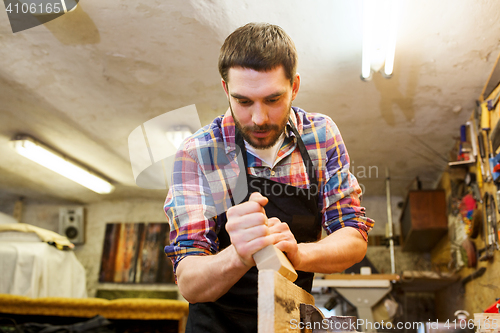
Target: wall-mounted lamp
380,24
49,158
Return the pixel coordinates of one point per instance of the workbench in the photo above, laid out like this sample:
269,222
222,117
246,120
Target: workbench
131,315
365,291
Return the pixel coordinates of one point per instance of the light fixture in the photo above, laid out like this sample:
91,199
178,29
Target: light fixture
380,24
43,155
177,134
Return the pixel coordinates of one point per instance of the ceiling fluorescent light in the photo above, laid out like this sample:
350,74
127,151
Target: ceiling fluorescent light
380,22
43,155
366,56
391,42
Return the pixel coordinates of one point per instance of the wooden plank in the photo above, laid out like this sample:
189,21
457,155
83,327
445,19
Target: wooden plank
429,275
347,283
492,82
426,281
390,277
279,303
133,309
271,257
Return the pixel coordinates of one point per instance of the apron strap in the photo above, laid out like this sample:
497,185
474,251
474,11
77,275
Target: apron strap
310,169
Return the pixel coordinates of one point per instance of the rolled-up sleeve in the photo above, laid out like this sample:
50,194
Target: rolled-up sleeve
189,210
341,192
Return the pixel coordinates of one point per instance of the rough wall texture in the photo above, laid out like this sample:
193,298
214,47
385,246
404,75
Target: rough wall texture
412,261
376,209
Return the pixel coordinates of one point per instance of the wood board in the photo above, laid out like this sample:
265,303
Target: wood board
279,303
492,82
271,257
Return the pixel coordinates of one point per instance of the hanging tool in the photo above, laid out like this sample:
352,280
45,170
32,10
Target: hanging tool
491,103
470,180
485,171
486,126
490,232
485,117
495,136
473,276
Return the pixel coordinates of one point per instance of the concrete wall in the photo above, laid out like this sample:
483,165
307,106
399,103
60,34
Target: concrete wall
380,257
376,209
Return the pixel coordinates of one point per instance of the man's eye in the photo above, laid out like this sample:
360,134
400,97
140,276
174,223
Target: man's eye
243,101
273,100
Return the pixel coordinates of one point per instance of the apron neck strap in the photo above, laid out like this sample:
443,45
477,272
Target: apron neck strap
311,172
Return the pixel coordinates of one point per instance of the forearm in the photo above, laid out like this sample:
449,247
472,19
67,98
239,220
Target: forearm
334,253
206,278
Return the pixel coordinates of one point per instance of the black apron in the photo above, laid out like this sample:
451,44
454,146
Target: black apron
236,311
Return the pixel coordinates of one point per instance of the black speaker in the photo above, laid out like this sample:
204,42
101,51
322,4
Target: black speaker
71,224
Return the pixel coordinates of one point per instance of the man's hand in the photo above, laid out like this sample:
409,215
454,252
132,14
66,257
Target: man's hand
284,240
247,227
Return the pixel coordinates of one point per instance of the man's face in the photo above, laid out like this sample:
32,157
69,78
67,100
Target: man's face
260,103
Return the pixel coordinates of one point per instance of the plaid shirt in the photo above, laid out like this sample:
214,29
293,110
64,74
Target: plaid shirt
206,169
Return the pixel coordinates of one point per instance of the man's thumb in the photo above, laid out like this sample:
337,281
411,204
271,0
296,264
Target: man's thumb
259,198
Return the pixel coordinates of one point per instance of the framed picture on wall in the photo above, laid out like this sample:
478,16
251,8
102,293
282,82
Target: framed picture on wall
133,253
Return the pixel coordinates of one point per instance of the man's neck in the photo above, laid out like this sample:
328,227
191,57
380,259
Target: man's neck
268,155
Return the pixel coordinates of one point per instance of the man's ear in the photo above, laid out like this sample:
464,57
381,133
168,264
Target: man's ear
226,89
295,86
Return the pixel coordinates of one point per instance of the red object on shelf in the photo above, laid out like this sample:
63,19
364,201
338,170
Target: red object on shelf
493,308
467,204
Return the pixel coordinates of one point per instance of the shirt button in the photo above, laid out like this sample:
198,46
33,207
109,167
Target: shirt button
273,172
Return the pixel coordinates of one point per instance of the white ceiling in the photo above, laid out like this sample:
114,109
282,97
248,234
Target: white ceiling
81,83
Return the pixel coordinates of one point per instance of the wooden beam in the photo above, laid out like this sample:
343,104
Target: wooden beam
390,277
279,303
271,257
492,81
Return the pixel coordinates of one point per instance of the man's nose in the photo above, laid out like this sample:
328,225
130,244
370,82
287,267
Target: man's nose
259,115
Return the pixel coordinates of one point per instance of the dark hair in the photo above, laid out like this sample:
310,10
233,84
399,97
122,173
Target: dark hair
258,46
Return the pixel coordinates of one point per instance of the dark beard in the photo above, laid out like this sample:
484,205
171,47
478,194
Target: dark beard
279,129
